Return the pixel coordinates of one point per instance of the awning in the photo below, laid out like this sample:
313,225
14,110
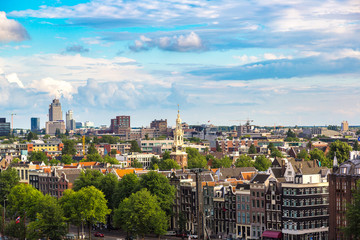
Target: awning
272,234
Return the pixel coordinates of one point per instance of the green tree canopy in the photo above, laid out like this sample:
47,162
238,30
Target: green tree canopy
69,147
195,159
168,164
224,162
166,155
8,179
50,221
113,152
92,149
38,156
141,214
107,185
159,185
135,147
317,154
129,184
271,146
136,164
154,163
24,198
31,136
89,177
110,160
342,150
262,163
66,159
95,157
276,153
252,149
352,230
356,146
244,161
303,154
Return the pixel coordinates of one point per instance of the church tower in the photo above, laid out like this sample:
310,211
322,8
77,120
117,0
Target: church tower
178,154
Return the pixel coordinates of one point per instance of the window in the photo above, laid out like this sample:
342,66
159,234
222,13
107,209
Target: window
268,197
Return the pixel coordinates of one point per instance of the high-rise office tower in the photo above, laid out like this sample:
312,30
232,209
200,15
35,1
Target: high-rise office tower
55,113
4,127
35,124
70,122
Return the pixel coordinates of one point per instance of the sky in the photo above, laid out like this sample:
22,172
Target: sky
277,62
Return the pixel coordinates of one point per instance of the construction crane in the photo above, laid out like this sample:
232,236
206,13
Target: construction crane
12,122
83,144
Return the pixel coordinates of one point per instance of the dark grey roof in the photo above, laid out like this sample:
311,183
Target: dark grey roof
71,173
260,178
235,172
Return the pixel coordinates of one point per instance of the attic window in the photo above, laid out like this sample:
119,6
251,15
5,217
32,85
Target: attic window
343,170
357,171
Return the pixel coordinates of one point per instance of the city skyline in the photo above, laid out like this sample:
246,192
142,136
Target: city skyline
279,62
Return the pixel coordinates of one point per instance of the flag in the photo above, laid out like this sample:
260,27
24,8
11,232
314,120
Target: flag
18,219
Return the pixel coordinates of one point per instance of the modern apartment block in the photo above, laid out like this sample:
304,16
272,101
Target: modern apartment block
119,124
341,183
35,124
4,127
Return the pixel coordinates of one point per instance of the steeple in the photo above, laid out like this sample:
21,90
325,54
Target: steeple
178,153
335,163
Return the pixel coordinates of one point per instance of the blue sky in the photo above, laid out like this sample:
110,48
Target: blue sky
280,62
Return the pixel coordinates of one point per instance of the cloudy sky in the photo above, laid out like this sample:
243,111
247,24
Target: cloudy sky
283,62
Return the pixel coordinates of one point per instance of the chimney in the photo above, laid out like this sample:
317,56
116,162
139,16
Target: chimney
314,161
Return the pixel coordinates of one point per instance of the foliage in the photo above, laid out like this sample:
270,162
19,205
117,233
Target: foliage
356,146
218,148
90,177
309,145
129,184
92,150
141,214
276,153
113,152
8,179
342,150
262,163
50,222
66,159
194,140
317,154
224,162
71,207
15,230
168,164
244,161
252,149
46,136
195,159
92,158
136,164
110,160
106,139
135,147
154,162
53,162
352,230
303,154
69,147
291,139
159,185
290,134
31,136
38,156
271,147
166,155
24,198
107,185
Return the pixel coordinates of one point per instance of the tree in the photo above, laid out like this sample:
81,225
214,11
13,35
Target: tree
8,179
352,229
69,147
107,185
57,133
92,158
195,159
24,198
159,185
154,162
71,207
317,154
290,134
341,149
53,162
224,162
92,149
218,148
309,145
135,147
244,161
141,214
129,184
252,149
38,156
303,154
50,221
262,163
113,152
356,146
136,164
166,155
66,159
110,160
46,136
90,177
276,153
168,164
271,147
31,136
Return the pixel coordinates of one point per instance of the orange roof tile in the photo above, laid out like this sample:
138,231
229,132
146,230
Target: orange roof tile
87,163
47,170
247,175
122,172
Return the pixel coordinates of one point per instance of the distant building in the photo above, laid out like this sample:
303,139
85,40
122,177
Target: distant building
70,122
55,112
4,127
52,126
160,126
35,124
344,126
179,154
79,124
120,125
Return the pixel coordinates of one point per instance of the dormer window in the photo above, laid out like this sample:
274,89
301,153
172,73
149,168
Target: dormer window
343,170
357,171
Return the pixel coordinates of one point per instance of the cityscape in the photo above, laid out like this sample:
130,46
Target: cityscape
179,119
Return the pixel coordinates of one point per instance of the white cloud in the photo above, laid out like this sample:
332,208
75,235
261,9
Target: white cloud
190,41
55,88
13,78
11,30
